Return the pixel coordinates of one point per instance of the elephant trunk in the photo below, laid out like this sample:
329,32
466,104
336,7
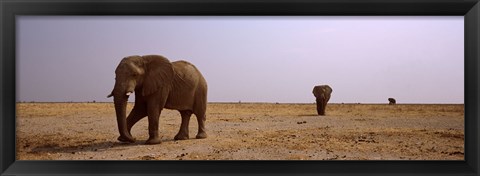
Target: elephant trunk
120,101
320,106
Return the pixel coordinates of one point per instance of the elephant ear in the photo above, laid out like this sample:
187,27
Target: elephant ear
158,74
315,91
328,89
325,90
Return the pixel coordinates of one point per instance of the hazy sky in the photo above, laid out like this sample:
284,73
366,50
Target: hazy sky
250,59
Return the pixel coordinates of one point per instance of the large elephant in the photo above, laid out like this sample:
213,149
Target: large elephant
322,94
157,84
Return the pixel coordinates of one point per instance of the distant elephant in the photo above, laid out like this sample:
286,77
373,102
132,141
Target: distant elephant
392,101
158,83
322,94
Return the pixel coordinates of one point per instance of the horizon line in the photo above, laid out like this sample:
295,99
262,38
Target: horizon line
231,102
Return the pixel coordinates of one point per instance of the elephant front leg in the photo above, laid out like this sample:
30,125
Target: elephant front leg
153,116
183,132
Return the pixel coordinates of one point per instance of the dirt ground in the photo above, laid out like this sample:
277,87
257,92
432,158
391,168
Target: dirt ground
247,131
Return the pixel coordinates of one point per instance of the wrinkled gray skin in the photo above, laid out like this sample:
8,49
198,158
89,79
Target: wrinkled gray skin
322,94
392,101
157,84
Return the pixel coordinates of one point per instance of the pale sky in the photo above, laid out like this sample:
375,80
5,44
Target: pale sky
249,59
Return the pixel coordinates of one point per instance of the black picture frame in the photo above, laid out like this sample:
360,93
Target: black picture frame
9,9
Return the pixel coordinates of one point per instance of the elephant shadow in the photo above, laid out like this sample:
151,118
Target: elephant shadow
91,147
303,115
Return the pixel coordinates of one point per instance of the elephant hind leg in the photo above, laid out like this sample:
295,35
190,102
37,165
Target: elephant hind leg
183,132
201,118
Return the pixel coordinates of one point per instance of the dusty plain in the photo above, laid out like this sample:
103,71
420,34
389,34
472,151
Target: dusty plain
247,131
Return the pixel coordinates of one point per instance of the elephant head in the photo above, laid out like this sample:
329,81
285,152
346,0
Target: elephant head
322,94
143,75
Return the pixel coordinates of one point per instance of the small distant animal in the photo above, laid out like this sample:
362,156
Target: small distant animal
322,94
392,101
